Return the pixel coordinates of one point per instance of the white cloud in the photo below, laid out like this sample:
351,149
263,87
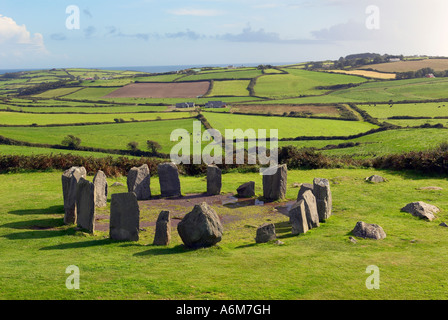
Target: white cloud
196,12
16,41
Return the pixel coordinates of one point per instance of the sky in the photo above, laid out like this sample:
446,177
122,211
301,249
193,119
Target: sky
50,34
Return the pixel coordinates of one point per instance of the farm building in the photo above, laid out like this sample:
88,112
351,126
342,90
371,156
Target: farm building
430,75
185,105
215,104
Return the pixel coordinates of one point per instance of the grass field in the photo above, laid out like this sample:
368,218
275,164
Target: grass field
381,111
107,136
230,88
411,65
17,118
299,82
322,264
367,74
87,109
232,75
287,127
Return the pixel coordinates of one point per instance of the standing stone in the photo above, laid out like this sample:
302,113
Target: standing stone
100,182
201,227
297,216
124,217
421,210
70,180
246,190
304,187
138,181
376,179
275,182
265,233
163,229
370,231
310,205
85,204
214,180
169,179
324,199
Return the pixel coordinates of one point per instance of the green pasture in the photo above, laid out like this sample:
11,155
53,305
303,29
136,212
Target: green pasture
230,88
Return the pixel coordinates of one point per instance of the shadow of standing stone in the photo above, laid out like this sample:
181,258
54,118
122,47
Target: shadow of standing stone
70,180
138,181
85,204
124,217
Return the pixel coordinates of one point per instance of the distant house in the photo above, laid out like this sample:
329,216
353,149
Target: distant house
185,105
215,104
394,59
430,75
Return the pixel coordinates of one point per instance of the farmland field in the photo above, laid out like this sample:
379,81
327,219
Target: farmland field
161,90
230,88
367,74
429,109
281,109
411,65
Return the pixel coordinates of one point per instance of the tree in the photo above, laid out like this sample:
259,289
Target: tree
133,145
153,146
71,141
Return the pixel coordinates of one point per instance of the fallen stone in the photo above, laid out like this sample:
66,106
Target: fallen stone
138,181
117,184
101,189
352,240
85,204
214,180
169,179
265,233
443,224
70,180
246,190
275,182
421,210
297,217
163,229
324,200
431,188
124,217
201,227
376,179
368,231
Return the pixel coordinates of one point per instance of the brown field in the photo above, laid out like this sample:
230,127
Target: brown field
161,90
280,109
367,74
413,65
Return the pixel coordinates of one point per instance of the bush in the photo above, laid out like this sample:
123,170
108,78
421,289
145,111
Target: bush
133,145
71,142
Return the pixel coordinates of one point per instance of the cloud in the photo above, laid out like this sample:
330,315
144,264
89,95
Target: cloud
196,12
187,34
87,13
349,31
58,37
17,41
89,31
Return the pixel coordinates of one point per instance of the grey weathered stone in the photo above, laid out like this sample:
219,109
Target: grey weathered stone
201,227
70,180
370,231
275,182
310,204
421,210
124,217
214,180
246,190
265,233
117,184
376,179
431,188
101,189
138,181
85,204
443,224
297,216
324,200
169,179
304,187
163,229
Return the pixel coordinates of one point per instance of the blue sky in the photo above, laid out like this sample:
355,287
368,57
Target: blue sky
33,33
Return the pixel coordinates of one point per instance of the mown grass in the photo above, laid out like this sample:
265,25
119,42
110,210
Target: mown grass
431,109
287,127
322,264
230,88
